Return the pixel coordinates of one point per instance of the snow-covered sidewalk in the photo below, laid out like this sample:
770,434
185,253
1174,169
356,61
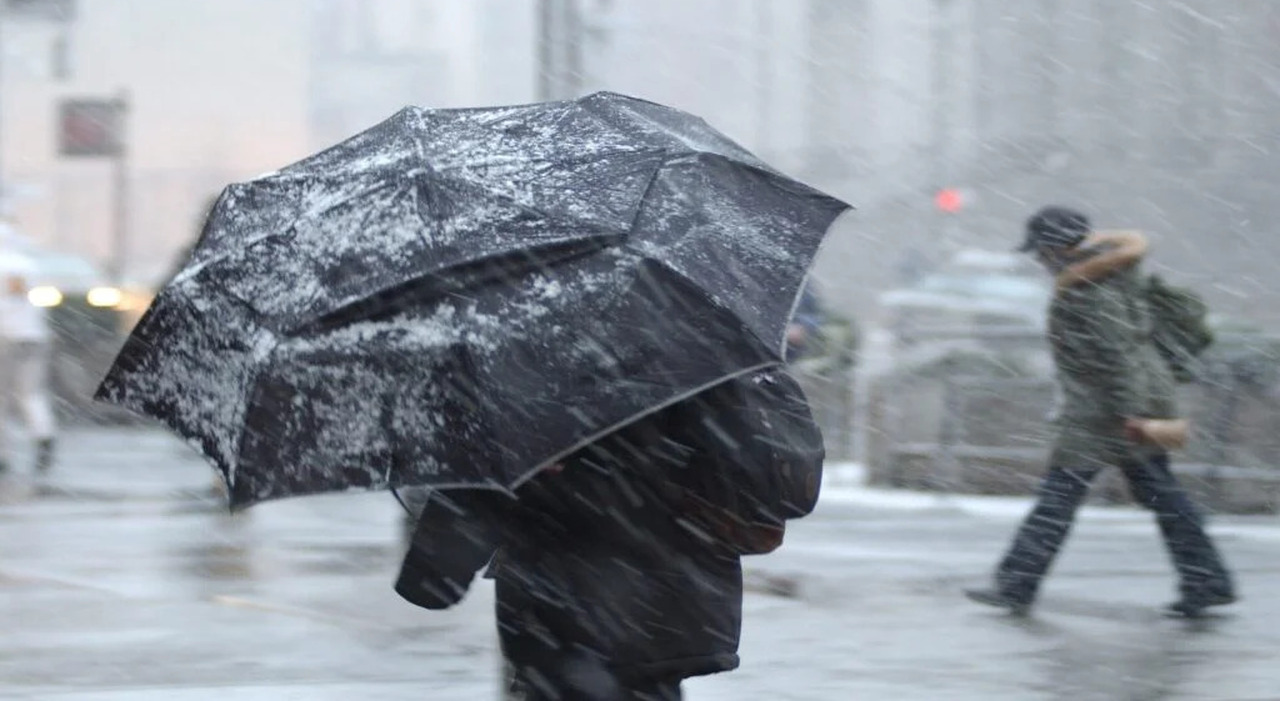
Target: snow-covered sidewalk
845,483
121,579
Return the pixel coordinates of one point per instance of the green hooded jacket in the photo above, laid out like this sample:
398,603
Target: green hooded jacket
1108,369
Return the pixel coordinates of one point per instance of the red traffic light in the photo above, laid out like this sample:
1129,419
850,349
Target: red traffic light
949,200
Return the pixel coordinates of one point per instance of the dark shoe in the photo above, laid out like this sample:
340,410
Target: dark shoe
44,454
1194,606
993,597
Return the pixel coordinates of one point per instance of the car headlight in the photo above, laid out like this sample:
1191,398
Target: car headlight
44,296
104,297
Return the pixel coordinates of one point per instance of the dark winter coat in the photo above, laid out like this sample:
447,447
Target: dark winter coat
1109,370
630,555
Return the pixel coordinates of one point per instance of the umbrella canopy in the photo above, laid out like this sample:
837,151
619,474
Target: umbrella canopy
458,297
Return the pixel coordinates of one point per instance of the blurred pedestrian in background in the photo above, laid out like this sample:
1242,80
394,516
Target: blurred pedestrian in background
805,326
26,350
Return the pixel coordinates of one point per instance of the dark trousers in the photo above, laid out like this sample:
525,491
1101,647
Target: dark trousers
656,691
546,667
1199,566
564,675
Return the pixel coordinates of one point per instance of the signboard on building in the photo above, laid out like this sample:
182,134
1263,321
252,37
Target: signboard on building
91,127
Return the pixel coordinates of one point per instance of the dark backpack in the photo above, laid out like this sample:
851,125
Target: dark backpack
760,463
1180,328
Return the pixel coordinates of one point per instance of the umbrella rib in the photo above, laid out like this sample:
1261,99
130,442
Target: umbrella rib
509,199
674,136
709,299
451,171
288,232
582,159
644,196
594,437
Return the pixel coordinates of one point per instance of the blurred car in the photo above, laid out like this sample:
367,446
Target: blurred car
977,299
89,317
981,312
977,288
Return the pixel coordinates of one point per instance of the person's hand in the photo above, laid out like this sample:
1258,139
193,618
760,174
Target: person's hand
1071,276
1169,434
1134,430
1065,279
796,334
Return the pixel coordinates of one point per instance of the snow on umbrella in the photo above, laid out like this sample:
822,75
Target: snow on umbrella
460,297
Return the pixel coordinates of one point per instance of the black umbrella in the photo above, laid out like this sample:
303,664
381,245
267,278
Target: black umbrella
459,297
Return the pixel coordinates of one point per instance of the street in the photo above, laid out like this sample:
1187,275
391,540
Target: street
124,578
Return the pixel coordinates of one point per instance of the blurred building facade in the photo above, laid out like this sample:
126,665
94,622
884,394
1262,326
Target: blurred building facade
1149,115
216,92
1153,115
369,58
222,90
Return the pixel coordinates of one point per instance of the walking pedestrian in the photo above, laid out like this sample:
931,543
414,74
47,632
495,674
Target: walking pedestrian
27,352
1118,411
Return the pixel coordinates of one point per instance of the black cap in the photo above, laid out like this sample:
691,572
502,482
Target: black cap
1055,227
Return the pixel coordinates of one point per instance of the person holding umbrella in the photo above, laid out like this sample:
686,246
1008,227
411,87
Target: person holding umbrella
618,572
464,300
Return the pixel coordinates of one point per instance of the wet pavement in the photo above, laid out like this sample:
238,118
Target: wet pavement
121,578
